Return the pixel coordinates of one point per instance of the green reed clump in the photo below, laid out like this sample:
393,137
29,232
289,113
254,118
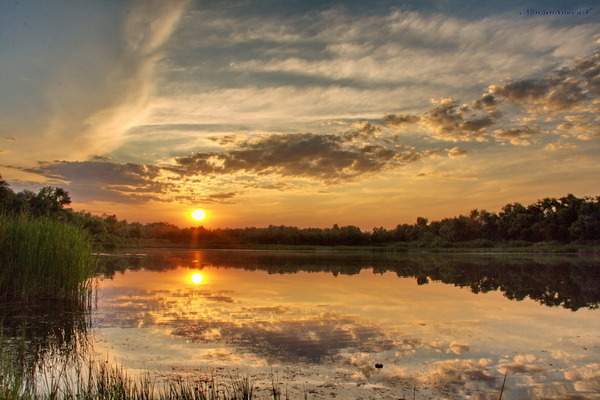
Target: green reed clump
44,258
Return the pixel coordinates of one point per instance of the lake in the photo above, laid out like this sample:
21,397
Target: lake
315,324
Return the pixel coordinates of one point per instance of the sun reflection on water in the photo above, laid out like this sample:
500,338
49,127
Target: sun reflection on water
196,278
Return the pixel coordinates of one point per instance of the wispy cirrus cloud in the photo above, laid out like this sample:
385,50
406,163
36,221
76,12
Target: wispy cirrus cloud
80,94
278,72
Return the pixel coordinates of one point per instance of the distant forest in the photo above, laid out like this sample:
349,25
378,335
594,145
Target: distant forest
565,220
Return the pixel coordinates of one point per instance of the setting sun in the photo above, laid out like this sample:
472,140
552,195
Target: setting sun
198,215
197,278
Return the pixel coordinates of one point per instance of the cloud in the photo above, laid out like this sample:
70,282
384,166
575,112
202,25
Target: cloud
435,153
146,29
232,95
98,172
452,375
519,368
581,126
399,120
225,140
278,72
559,146
100,158
202,195
487,101
459,348
150,24
337,47
522,91
452,348
277,333
128,183
106,181
517,136
222,196
457,152
450,121
513,133
328,158
211,65
243,163
565,89
309,339
256,163
570,95
359,150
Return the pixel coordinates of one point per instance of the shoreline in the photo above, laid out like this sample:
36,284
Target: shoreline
536,248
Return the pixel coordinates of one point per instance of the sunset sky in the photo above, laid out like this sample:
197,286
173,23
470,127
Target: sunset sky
300,112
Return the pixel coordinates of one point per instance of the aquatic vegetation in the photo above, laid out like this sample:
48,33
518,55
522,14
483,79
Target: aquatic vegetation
36,335
44,258
503,384
102,380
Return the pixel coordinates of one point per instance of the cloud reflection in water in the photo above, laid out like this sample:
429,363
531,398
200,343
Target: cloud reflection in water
276,333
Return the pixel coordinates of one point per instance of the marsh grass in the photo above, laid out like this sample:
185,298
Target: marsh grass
87,378
102,380
44,258
38,334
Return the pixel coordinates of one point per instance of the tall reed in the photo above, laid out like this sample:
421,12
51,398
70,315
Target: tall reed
44,258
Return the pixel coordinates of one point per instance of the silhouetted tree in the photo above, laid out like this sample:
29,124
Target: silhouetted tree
49,201
6,195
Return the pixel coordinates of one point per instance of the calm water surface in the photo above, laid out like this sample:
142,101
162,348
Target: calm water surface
443,326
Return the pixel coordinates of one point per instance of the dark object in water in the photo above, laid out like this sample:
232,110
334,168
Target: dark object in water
379,365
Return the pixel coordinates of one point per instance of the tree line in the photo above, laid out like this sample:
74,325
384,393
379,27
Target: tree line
564,220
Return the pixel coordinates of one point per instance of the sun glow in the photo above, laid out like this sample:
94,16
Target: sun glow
196,278
198,215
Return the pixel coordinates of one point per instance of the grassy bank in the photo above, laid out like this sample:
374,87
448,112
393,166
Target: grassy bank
43,258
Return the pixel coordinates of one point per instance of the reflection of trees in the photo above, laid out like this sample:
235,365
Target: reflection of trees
570,282
35,334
